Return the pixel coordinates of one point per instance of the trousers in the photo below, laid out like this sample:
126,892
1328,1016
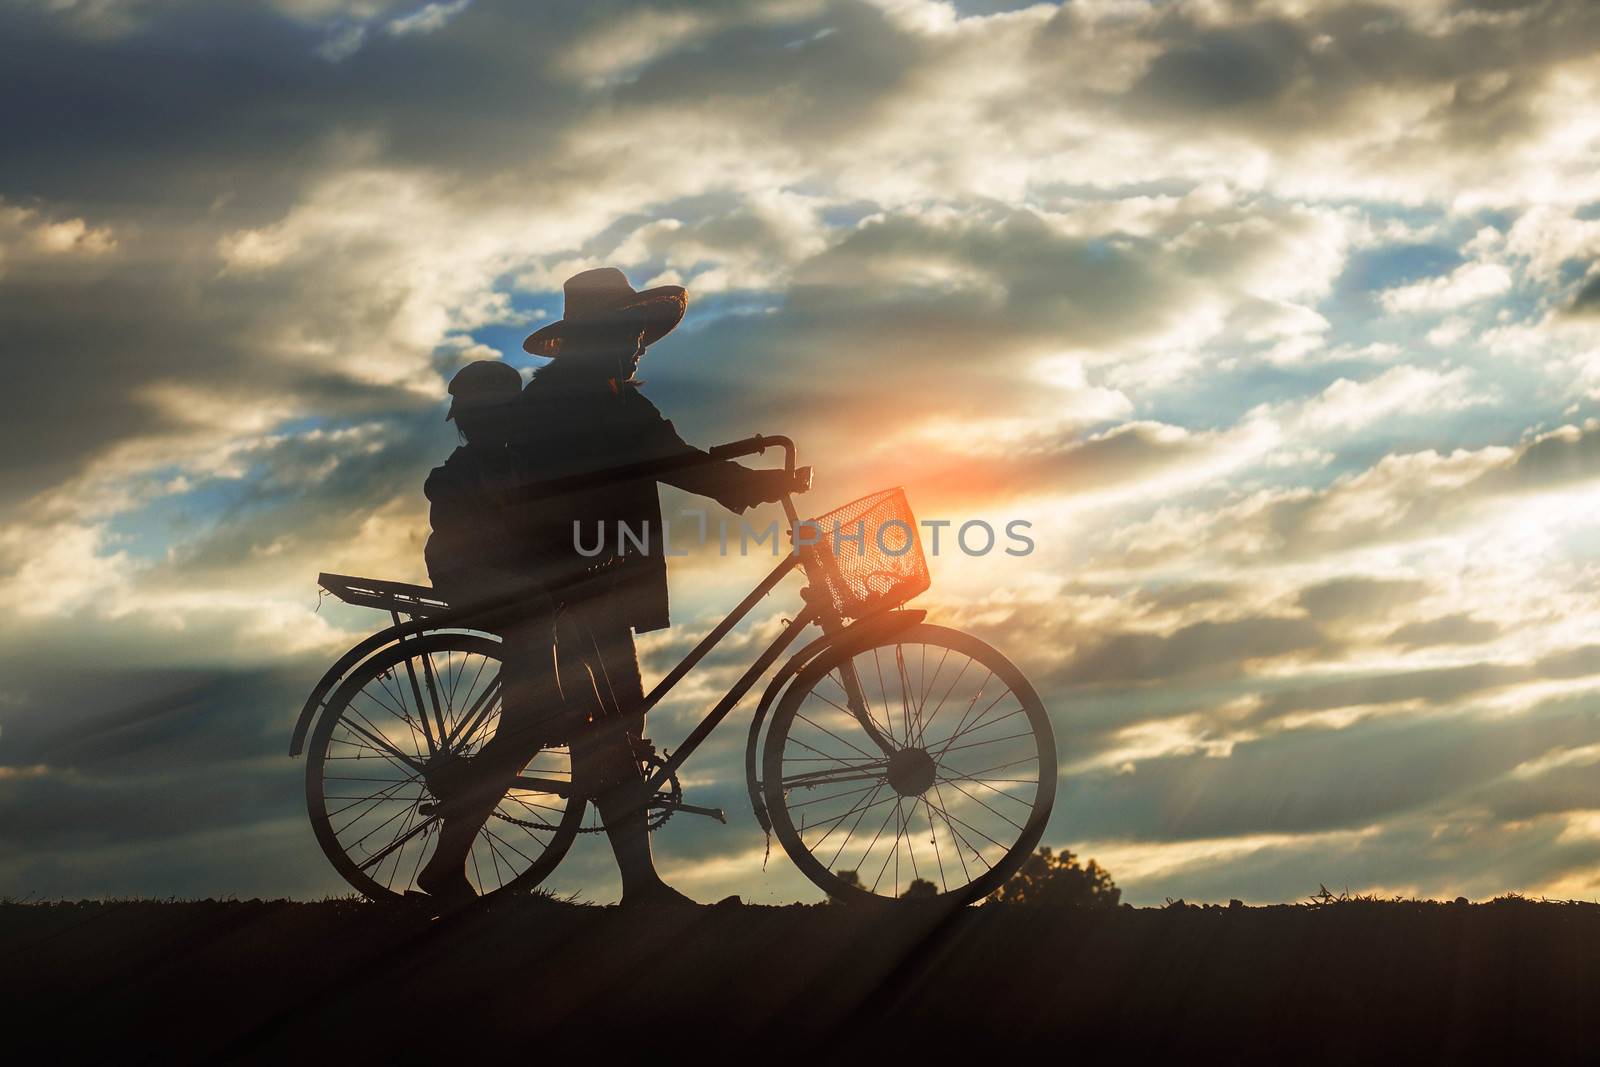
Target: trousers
569,675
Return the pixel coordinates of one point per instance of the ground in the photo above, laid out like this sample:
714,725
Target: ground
267,981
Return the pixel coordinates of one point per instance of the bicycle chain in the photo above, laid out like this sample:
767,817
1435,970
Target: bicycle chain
672,794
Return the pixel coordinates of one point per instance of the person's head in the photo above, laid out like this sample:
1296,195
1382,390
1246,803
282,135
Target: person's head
604,350
482,395
607,324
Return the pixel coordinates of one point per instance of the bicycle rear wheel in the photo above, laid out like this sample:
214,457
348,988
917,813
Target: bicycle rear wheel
934,783
410,712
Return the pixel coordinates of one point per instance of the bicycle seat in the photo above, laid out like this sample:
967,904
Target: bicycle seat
388,596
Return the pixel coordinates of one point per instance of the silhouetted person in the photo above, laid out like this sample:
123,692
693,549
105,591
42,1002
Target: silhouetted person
479,563
583,414
471,554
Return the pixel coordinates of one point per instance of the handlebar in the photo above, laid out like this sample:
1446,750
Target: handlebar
655,468
800,480
754,446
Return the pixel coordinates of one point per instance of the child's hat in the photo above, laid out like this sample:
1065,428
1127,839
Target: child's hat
483,383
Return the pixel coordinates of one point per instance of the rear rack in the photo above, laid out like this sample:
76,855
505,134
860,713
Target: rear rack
387,596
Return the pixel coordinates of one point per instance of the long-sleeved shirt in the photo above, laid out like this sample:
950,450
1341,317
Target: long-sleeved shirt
472,554
578,425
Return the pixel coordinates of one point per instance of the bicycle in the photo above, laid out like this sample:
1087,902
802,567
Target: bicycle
859,728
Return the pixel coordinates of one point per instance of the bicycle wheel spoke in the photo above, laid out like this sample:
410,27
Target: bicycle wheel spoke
507,844
377,740
952,830
422,709
911,851
970,705
389,710
995,741
372,803
487,837
951,818
962,673
845,710
883,692
860,811
913,718
531,806
383,853
363,838
397,712
835,776
953,779
380,796
874,841
835,796
929,683
388,882
482,710
977,854
982,804
392,701
477,675
483,701
905,695
487,727
837,738
974,725
431,676
445,678
397,706
832,759
416,868
973,775
933,835
834,822
363,747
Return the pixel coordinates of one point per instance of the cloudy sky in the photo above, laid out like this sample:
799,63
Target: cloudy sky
1278,319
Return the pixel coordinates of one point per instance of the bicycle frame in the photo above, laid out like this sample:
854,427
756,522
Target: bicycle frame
829,622
730,700
737,692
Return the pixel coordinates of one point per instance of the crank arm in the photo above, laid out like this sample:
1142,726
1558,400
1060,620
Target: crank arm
691,809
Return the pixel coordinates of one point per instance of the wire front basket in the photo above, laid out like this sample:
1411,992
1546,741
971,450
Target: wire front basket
866,556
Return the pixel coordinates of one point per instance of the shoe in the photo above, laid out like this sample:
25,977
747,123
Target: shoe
661,895
448,892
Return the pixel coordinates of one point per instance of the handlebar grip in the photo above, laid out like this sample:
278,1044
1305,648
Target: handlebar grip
749,446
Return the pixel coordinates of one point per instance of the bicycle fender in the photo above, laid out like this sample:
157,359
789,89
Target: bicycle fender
348,662
862,631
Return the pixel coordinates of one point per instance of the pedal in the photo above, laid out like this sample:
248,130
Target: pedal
695,809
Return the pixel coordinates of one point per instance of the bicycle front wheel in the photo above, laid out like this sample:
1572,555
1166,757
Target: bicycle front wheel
406,720
921,766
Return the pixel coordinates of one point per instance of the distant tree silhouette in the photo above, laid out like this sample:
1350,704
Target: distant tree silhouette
1055,879
849,878
919,889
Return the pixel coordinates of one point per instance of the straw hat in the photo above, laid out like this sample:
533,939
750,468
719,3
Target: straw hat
601,298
